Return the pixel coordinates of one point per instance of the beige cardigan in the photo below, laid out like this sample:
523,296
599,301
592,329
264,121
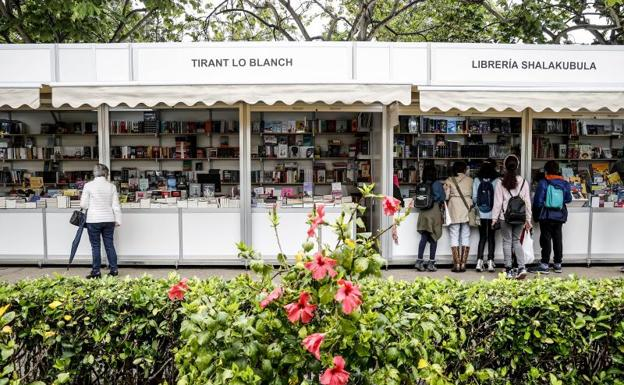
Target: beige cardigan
456,207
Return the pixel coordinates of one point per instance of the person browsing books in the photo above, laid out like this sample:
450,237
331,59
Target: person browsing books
549,205
458,189
483,189
429,224
100,199
512,209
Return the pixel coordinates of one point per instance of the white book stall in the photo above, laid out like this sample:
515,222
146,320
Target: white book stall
203,140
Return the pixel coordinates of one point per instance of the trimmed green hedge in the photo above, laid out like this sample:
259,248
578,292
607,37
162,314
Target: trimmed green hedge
551,331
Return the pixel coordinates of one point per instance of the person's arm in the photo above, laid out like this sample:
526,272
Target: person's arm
116,206
540,194
84,198
498,203
438,192
475,187
526,195
447,189
568,193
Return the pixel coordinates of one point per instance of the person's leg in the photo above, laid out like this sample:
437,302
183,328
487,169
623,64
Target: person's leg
108,231
422,244
94,231
557,239
433,246
545,241
454,235
491,237
506,234
516,233
465,242
483,238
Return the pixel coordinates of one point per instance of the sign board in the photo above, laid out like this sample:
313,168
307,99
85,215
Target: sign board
243,63
526,65
26,63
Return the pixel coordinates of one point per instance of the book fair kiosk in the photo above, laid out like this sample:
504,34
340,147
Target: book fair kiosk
204,139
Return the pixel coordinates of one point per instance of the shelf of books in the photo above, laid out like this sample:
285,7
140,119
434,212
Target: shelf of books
46,153
182,158
302,158
587,150
441,140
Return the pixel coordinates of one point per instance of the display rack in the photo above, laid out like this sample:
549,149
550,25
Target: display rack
174,150
47,149
298,155
441,140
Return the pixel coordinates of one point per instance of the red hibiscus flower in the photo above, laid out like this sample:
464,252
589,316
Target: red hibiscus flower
336,375
178,290
321,266
301,309
316,219
313,342
275,294
349,295
391,205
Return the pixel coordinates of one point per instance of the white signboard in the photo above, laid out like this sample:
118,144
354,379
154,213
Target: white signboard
569,66
248,63
26,63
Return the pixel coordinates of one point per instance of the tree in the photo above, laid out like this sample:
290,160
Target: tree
102,21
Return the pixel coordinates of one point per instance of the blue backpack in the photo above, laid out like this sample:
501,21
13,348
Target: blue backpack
554,197
485,196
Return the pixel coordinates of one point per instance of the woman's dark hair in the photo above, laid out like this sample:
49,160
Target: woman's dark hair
459,167
488,170
511,171
429,174
551,167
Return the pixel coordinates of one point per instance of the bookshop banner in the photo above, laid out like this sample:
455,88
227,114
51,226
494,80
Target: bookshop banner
527,65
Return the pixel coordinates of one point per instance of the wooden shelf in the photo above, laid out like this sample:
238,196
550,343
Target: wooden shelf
169,159
282,133
67,134
574,160
282,159
469,133
50,160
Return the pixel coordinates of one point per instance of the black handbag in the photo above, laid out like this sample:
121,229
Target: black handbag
77,218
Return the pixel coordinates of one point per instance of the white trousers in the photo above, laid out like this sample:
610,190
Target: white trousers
460,234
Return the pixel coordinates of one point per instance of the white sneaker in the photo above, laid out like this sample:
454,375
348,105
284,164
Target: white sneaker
479,265
490,266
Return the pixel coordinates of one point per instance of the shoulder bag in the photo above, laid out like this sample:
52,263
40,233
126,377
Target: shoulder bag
473,212
78,217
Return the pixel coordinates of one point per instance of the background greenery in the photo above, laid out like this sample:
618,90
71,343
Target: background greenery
67,330
502,21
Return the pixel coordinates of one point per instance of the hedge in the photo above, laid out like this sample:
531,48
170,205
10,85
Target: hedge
552,331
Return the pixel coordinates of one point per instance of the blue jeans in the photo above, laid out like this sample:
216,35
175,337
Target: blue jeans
106,231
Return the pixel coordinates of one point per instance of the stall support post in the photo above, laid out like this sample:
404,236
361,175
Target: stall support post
245,174
526,143
103,112
387,141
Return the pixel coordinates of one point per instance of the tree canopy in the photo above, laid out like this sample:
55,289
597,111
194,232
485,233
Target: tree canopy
502,21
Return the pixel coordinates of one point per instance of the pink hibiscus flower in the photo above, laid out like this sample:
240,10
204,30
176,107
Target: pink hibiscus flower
275,294
301,310
178,290
313,342
349,295
336,375
391,205
321,266
316,219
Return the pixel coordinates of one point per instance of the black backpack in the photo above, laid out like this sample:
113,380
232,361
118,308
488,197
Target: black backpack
485,196
423,199
516,209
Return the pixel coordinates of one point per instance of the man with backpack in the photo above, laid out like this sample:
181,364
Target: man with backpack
551,196
483,197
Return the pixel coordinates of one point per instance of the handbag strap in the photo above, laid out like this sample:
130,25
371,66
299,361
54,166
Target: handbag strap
461,194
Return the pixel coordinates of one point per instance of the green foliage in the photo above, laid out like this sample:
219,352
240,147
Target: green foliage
74,331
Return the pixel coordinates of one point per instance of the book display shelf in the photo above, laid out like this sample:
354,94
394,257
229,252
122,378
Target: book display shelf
302,158
186,157
47,150
586,150
442,140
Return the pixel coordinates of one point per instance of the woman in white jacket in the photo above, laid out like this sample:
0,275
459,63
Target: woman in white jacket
100,199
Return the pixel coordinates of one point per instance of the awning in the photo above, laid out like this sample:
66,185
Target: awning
171,95
538,100
15,97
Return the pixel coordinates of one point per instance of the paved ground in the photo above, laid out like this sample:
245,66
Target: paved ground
15,273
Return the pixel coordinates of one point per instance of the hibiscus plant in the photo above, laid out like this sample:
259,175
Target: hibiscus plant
318,293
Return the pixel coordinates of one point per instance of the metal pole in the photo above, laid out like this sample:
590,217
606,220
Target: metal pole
245,174
103,112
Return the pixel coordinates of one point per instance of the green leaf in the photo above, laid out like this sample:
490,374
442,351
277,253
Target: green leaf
326,294
360,265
